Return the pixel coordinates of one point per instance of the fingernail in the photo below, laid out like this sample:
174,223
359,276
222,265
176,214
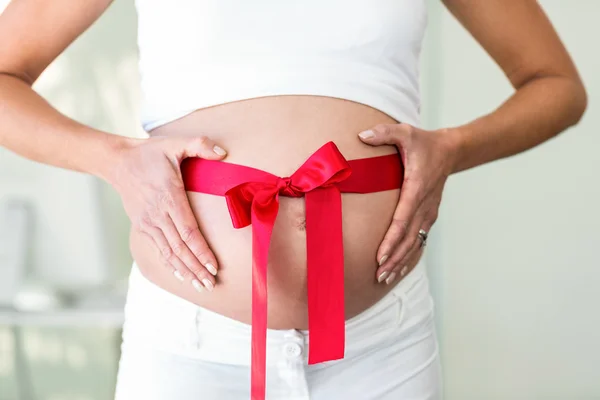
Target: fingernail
211,268
383,259
197,285
404,270
208,284
391,278
178,275
219,150
383,275
366,134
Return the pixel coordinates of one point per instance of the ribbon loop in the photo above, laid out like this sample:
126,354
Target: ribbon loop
240,199
326,167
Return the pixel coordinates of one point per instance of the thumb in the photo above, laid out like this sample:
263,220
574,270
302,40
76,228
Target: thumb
381,134
202,147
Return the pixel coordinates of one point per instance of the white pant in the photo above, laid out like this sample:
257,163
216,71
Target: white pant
175,350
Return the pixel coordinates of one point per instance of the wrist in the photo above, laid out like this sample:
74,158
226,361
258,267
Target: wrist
454,148
112,152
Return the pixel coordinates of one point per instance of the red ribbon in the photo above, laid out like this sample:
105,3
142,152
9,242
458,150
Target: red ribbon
253,198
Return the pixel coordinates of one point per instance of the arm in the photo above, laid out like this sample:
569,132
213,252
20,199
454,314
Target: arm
30,126
549,98
145,172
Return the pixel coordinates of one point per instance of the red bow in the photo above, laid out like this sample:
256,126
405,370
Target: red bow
257,203
253,198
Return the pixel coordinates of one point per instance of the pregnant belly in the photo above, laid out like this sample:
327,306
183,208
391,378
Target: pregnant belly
277,134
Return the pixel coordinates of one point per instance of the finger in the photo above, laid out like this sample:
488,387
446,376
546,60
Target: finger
401,267
174,264
411,247
414,239
382,134
180,249
202,147
188,229
405,266
397,260
414,253
430,211
410,200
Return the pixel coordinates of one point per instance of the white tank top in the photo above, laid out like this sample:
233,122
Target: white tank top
200,53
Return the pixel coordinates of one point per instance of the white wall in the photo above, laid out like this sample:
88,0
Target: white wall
80,229
516,252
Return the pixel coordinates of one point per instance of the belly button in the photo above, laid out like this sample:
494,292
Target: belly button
300,223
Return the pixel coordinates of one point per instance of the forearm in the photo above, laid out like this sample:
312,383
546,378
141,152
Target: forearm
32,128
538,110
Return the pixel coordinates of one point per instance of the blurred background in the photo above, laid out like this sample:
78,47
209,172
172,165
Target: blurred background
514,258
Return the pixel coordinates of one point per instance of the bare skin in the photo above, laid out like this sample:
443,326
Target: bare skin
195,238
277,134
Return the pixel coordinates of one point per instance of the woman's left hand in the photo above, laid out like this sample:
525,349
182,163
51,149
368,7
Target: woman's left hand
428,158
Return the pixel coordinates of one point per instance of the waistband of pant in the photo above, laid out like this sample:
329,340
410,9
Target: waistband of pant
210,336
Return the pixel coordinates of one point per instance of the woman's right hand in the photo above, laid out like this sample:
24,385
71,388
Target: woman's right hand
147,175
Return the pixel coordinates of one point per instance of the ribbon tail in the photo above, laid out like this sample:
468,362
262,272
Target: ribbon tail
325,274
264,212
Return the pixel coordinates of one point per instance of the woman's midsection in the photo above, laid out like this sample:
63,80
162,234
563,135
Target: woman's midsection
277,134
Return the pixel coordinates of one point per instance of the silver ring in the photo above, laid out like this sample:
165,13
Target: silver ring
423,236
